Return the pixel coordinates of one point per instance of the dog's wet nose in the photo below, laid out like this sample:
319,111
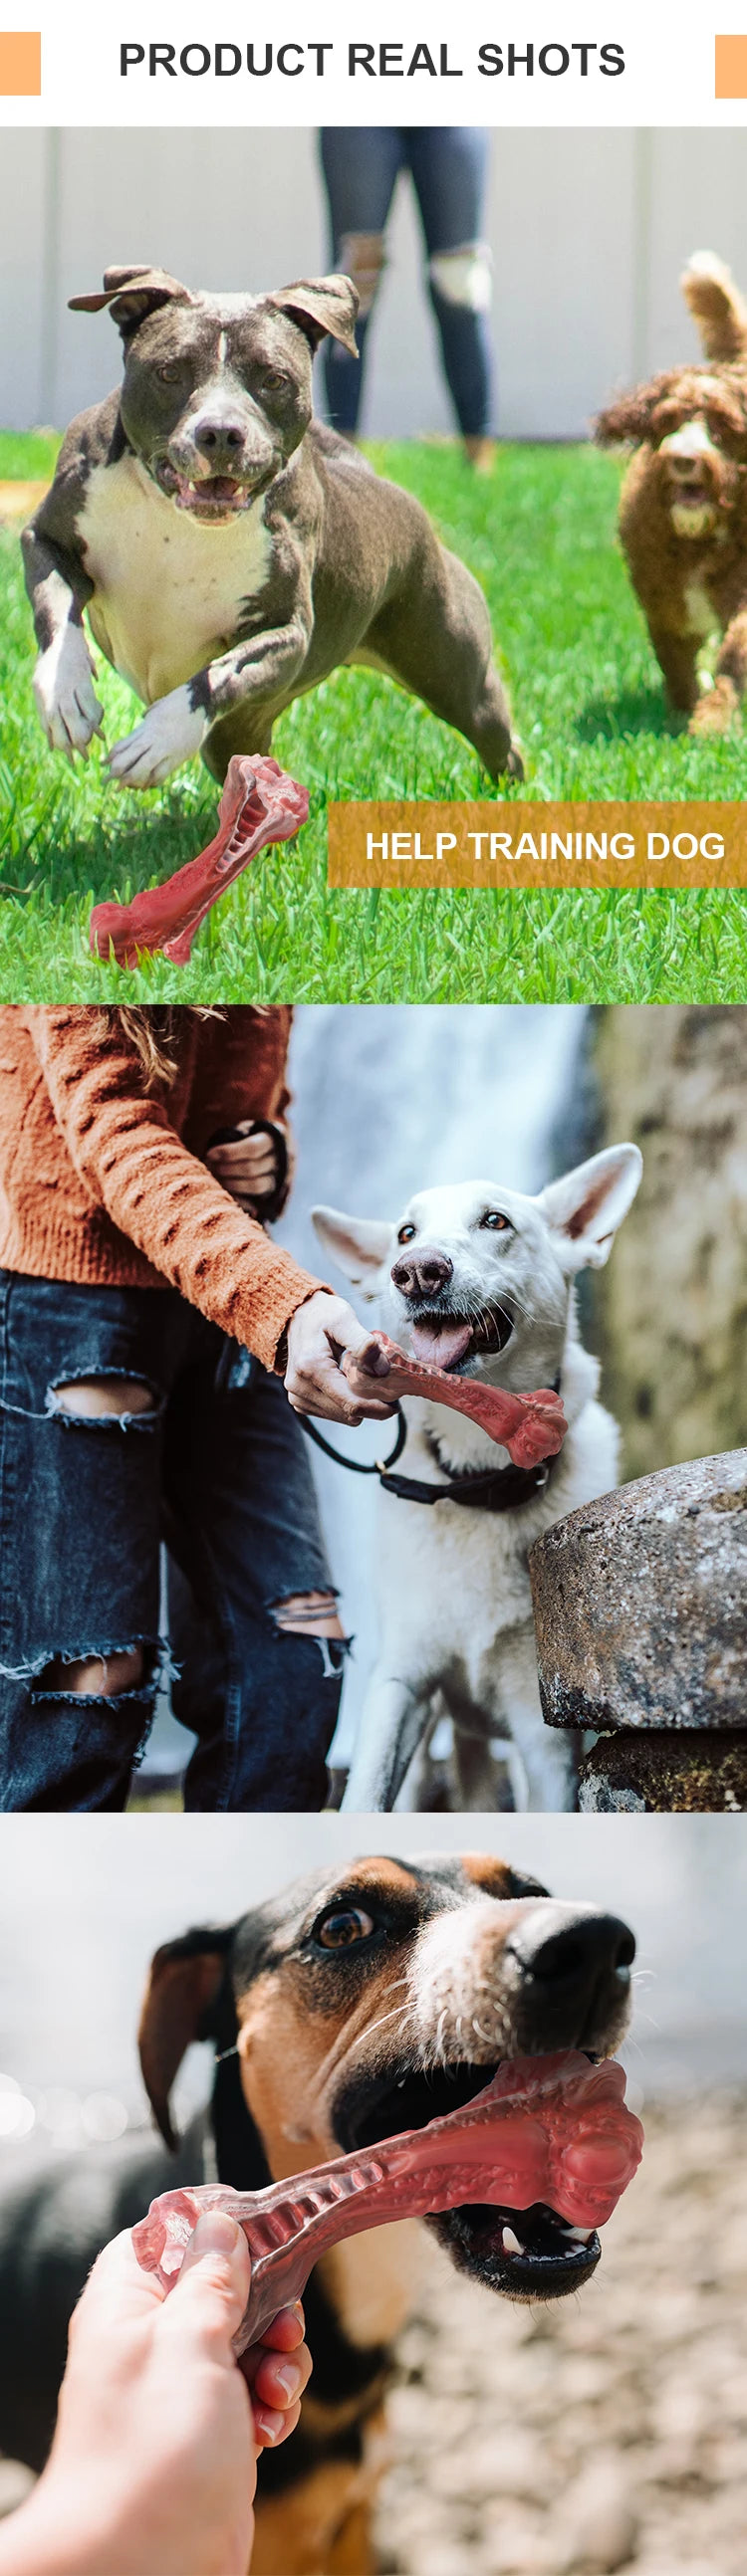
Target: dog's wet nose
422,1274
571,1957
218,437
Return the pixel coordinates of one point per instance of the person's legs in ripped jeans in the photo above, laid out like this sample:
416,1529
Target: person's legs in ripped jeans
360,165
253,1622
449,167
83,1379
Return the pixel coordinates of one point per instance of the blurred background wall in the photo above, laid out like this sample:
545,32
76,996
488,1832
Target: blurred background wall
589,231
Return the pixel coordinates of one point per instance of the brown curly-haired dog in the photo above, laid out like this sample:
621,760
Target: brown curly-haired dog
683,511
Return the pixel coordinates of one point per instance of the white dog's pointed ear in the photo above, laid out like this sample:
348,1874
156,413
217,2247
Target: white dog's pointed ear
358,1244
586,1207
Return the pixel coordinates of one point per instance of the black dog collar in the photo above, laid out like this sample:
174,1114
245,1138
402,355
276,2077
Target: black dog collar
499,1489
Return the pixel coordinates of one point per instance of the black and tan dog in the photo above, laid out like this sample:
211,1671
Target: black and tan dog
350,2007
231,552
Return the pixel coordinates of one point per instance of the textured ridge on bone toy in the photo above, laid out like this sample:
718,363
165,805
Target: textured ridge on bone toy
260,803
554,2129
531,1427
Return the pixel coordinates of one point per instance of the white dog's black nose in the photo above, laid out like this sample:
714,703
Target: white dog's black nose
422,1274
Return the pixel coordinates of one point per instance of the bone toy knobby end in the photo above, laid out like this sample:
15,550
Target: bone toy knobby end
260,803
550,2129
531,1427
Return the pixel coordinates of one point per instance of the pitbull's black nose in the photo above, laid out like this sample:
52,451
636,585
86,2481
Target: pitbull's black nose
422,1274
219,436
575,1970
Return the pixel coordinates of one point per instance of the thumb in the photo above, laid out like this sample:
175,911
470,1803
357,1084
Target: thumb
364,1349
212,2291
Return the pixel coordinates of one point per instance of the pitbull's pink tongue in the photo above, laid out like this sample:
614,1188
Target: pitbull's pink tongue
440,1345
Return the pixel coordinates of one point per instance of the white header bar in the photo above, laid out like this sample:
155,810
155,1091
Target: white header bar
620,63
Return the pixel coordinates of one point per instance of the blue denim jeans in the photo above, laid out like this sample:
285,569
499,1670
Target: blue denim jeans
218,1468
448,165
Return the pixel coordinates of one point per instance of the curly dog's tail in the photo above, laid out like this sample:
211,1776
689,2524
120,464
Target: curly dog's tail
717,307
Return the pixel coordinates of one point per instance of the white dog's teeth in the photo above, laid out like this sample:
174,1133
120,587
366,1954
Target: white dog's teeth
581,2234
511,2244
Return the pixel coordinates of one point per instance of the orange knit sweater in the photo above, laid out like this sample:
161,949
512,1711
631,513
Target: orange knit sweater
102,1181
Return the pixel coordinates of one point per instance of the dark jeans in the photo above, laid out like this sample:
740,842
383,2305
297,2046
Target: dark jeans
219,1469
448,166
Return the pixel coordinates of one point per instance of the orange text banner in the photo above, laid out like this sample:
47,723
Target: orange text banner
583,846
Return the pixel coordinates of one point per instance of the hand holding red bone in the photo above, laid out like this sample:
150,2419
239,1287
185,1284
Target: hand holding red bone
260,803
531,1427
551,2129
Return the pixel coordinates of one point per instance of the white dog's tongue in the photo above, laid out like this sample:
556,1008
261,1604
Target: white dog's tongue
440,1346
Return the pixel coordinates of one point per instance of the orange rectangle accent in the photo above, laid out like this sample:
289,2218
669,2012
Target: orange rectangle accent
20,66
512,844
731,66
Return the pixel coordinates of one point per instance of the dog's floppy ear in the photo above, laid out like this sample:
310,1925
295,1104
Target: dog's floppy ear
358,1244
179,2005
324,308
131,294
586,1207
627,421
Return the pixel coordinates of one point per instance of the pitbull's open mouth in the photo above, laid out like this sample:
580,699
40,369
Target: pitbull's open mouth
443,1338
209,496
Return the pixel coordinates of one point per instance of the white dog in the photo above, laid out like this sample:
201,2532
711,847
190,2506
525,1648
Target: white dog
479,1280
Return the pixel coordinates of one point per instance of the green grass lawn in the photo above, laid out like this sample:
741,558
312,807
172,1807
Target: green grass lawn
590,711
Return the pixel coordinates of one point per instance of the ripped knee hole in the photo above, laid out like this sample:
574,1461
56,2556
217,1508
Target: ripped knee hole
95,1676
362,257
463,276
309,1614
91,1399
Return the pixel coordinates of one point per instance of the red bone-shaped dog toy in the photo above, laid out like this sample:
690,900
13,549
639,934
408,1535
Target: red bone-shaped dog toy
260,803
554,2129
530,1427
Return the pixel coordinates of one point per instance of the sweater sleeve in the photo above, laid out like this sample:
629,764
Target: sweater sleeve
130,1158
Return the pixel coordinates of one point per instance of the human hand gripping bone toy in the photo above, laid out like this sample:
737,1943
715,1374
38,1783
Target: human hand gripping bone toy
531,1427
553,2130
260,803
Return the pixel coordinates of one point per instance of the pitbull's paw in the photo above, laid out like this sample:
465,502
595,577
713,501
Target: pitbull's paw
65,695
172,731
515,763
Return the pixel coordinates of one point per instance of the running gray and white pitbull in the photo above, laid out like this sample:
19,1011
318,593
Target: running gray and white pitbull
229,551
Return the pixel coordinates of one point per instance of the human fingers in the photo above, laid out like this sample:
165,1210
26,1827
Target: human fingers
212,2290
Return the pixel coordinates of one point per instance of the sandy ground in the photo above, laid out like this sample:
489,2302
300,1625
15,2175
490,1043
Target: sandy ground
609,2431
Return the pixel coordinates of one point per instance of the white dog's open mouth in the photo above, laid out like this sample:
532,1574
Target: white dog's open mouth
443,1338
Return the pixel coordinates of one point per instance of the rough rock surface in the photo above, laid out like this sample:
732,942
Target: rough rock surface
640,1602
661,1775
670,1311
608,2431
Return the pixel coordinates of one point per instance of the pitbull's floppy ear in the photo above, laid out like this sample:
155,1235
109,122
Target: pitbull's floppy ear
585,1208
179,2005
324,308
131,294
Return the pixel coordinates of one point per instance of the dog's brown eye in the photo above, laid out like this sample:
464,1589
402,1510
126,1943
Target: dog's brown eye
171,370
346,1924
274,380
406,1233
498,1224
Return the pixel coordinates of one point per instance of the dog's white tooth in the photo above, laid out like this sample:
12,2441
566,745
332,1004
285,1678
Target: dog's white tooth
511,2243
581,2234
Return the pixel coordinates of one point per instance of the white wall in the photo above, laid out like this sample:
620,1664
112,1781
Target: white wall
589,232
